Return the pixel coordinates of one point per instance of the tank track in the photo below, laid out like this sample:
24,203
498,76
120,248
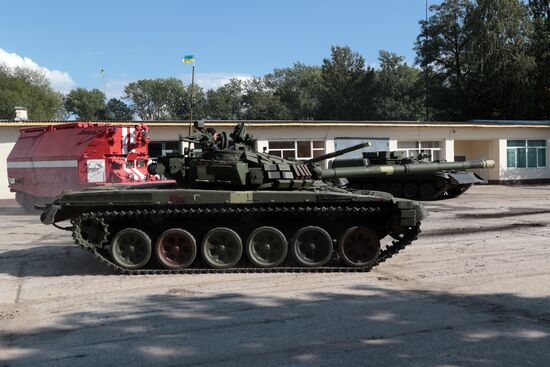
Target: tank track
457,191
385,254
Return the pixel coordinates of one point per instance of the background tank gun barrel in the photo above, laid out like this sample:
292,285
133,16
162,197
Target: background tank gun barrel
383,170
338,152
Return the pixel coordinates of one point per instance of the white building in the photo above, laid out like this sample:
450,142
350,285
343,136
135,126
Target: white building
519,148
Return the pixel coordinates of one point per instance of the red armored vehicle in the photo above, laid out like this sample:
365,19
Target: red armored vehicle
49,159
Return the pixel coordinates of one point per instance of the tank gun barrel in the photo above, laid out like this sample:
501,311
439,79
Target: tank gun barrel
357,172
338,152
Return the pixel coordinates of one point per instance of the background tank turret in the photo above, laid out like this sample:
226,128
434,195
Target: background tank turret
233,208
413,177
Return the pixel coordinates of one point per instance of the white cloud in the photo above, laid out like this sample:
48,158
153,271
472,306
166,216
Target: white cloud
214,80
60,80
115,88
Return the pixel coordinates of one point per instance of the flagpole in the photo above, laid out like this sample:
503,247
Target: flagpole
192,97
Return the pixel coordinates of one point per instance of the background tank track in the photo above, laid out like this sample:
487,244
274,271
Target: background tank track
107,223
457,191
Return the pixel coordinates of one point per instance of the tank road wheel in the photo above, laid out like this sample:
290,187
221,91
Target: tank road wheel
222,248
396,189
359,247
312,246
176,249
131,248
266,247
410,190
381,187
426,190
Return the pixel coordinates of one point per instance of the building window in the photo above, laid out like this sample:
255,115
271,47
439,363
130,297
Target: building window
160,148
300,149
413,148
526,153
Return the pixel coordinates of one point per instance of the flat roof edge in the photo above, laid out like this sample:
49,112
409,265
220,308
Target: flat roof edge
306,123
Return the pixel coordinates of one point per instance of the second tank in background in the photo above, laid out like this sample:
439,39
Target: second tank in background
413,182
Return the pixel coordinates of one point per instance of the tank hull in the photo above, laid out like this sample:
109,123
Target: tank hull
428,186
98,215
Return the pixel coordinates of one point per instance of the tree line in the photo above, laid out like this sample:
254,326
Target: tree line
485,59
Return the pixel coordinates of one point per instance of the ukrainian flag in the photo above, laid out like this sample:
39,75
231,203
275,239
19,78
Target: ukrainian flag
188,59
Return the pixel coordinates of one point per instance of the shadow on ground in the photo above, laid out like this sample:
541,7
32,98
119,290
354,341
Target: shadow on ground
356,326
49,260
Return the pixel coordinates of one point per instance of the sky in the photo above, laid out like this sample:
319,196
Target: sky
71,41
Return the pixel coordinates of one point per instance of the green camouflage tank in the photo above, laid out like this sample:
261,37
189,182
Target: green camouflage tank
229,208
415,177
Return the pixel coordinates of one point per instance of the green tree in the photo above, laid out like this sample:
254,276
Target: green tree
199,104
299,87
163,99
118,110
539,12
30,89
86,104
500,80
476,55
260,103
347,86
399,89
442,48
155,99
226,102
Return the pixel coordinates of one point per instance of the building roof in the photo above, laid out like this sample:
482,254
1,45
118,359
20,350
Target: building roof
303,123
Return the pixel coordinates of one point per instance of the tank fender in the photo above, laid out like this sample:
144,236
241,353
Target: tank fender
410,213
464,178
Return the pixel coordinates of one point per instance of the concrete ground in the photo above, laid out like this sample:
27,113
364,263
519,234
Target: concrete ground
473,290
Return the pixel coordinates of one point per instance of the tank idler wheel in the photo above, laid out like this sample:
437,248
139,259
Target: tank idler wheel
176,249
359,247
410,190
266,247
404,233
312,246
222,248
426,190
131,248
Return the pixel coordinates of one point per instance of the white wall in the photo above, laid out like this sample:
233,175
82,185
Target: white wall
448,153
512,174
8,137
